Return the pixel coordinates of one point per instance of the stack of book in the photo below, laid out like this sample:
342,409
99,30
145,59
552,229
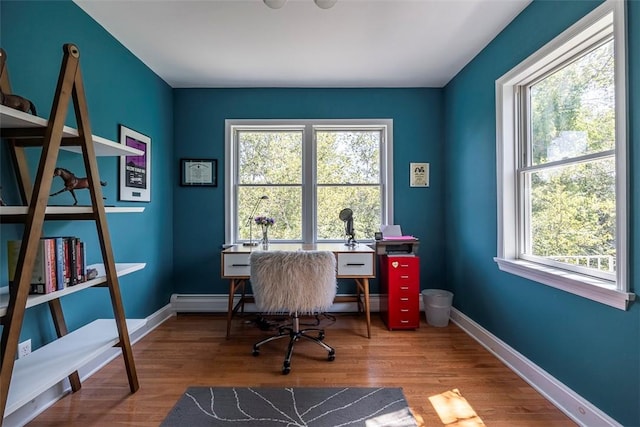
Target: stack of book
60,262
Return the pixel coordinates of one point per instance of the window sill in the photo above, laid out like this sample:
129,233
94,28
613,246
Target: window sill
592,288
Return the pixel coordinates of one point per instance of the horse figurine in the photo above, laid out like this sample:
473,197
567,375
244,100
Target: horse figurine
17,102
72,182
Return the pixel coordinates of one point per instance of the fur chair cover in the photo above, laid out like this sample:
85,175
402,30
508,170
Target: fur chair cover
290,281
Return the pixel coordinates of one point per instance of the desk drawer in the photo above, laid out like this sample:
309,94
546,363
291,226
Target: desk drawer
355,264
235,265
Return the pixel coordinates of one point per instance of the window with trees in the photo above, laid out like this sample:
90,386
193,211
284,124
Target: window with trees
561,126
309,171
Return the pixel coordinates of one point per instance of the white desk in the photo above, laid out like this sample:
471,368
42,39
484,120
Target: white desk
356,263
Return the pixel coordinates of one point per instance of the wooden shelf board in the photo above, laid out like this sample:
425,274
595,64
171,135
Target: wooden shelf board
60,210
48,365
14,119
33,300
18,214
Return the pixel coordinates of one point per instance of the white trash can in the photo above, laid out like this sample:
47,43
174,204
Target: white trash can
437,306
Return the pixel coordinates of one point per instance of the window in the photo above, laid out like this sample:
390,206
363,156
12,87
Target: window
309,171
561,143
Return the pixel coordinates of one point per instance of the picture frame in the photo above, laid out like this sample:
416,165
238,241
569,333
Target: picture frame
418,174
135,171
199,172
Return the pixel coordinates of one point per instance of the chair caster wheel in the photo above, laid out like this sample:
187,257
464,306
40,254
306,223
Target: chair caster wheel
256,352
332,356
286,369
321,336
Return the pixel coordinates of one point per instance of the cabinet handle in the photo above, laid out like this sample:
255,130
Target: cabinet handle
404,288
404,299
404,321
404,310
351,264
404,277
239,265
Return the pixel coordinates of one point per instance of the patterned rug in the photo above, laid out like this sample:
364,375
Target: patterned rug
298,406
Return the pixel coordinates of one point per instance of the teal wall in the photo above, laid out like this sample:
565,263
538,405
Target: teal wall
590,347
120,89
199,133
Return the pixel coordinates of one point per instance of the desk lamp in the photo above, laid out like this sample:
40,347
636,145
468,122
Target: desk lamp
251,218
346,215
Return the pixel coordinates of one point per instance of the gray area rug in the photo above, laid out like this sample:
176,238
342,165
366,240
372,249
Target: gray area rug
290,407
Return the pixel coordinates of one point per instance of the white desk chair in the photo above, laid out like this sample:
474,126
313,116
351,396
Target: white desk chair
294,282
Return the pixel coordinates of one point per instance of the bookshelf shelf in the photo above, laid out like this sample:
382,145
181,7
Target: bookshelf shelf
24,128
33,300
50,364
17,214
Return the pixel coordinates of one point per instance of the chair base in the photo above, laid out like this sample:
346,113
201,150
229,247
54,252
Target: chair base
295,333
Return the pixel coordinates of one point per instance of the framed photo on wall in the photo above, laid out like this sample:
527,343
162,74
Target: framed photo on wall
135,171
199,172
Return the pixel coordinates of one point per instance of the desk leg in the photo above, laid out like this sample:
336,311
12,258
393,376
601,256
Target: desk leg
232,292
363,285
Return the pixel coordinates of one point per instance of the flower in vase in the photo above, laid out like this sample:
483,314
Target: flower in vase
264,221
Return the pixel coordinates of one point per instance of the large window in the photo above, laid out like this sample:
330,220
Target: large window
303,173
562,161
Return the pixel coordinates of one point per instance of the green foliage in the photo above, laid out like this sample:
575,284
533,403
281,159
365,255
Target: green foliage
348,175
572,207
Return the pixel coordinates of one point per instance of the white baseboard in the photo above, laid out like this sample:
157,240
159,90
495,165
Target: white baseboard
571,403
38,405
218,303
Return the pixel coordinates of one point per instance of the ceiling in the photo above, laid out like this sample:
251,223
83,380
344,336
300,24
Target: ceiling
356,43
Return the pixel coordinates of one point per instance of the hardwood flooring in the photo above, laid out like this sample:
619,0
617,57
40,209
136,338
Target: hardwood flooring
445,366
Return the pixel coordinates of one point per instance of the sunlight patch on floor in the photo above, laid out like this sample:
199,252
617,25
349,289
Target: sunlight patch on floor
454,410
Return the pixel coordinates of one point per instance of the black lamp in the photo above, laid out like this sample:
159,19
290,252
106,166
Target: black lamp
346,215
251,218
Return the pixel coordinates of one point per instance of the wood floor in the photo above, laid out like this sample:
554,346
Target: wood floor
467,385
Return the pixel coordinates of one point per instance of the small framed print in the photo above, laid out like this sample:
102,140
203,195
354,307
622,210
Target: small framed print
135,171
199,172
419,174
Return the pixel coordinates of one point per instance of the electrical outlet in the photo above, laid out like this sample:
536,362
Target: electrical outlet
24,348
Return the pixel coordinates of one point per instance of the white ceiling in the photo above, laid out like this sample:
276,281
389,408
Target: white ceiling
357,43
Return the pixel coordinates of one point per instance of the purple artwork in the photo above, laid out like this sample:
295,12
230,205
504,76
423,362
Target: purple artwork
136,169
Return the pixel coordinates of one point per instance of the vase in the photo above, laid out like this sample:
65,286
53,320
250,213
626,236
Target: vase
265,237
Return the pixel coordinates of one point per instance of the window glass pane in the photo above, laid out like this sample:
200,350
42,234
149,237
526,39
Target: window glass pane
270,157
573,214
573,109
348,157
284,205
365,201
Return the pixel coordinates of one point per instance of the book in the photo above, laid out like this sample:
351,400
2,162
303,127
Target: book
50,265
72,251
60,263
43,275
80,260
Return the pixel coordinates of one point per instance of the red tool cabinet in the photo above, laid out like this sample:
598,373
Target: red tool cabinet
400,291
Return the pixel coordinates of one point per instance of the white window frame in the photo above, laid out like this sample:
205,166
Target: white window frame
308,128
614,293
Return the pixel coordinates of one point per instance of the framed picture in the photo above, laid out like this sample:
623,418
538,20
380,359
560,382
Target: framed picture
419,174
199,172
135,171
